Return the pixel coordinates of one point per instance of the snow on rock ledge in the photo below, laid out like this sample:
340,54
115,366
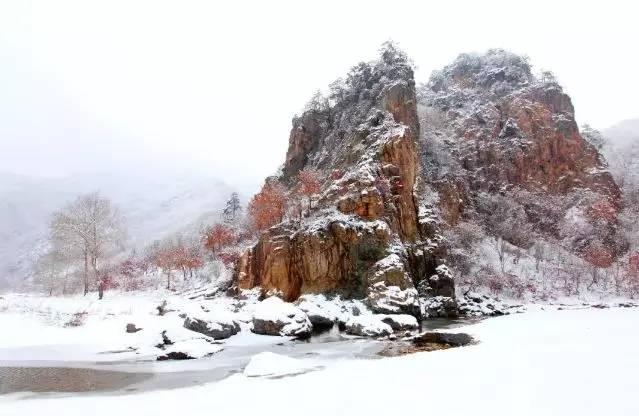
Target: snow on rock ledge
367,326
189,349
216,327
400,322
320,311
273,316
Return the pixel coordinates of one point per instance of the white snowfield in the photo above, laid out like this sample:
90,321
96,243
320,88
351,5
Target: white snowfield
570,362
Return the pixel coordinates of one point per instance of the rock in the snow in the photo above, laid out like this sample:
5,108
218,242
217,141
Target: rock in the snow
273,316
392,272
367,326
321,312
440,307
401,322
131,328
216,329
476,305
180,348
450,339
439,284
392,299
174,355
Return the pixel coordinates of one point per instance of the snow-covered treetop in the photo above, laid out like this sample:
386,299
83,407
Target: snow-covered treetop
497,69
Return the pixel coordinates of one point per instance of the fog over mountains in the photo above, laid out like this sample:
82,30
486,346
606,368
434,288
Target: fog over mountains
154,206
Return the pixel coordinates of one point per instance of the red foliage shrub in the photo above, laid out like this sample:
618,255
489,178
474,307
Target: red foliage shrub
229,258
217,237
603,210
598,256
268,206
336,174
106,280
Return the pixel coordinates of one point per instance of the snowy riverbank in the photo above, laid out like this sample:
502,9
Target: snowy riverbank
579,362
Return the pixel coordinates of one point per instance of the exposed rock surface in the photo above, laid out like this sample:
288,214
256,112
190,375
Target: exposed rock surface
491,144
366,226
392,299
400,322
131,329
440,307
447,338
491,128
216,329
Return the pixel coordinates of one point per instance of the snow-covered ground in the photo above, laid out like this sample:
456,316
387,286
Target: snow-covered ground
542,362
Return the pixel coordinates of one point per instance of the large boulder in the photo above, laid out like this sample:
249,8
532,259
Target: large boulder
440,307
320,311
367,326
273,316
216,328
446,338
400,322
439,284
393,300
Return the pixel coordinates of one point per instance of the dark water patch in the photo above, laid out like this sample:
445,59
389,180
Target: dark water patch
65,379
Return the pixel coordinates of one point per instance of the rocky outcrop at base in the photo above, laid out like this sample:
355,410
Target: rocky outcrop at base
273,316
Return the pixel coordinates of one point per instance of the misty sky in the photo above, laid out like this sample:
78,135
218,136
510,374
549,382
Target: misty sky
212,86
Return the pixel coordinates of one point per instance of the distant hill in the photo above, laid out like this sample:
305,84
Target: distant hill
153,206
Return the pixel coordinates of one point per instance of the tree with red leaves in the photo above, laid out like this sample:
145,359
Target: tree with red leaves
106,281
217,237
164,258
268,206
603,210
129,271
229,257
599,257
309,183
186,258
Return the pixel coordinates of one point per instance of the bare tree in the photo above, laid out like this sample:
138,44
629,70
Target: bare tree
51,269
90,228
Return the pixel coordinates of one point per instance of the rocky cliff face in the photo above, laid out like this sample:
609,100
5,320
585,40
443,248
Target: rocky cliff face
364,237
484,140
503,132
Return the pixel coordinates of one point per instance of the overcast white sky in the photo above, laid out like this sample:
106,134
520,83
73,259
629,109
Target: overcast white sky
95,85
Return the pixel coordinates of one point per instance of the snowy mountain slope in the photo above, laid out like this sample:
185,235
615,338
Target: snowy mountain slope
153,207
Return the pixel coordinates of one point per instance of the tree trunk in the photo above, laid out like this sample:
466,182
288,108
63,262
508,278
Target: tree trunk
594,278
86,273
